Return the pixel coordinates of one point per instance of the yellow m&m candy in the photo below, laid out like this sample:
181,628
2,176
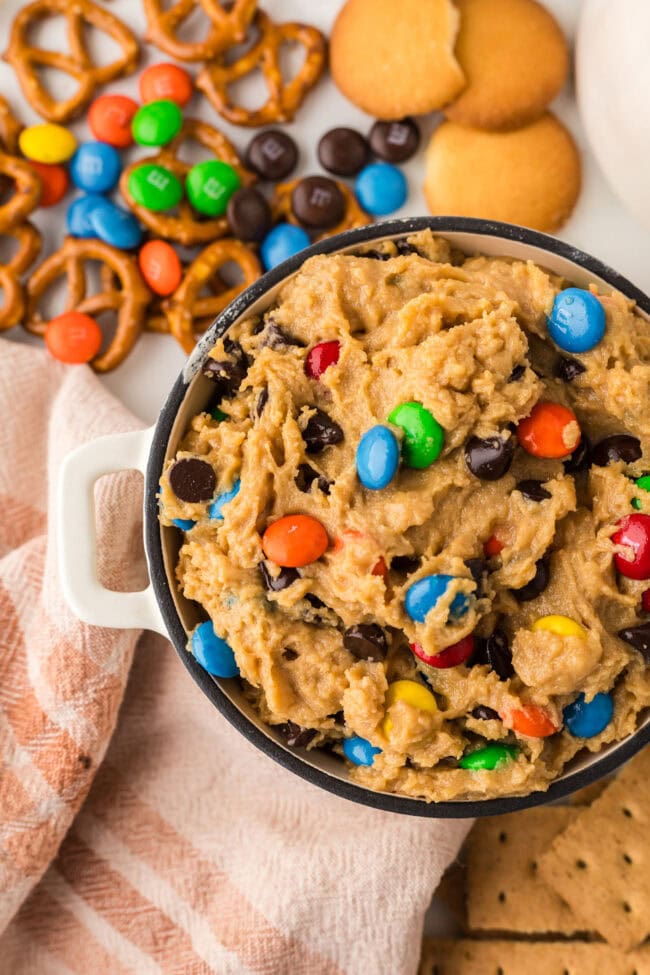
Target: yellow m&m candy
562,625
411,692
47,143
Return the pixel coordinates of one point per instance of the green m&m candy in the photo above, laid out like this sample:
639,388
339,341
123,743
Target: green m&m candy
489,758
156,123
644,484
154,187
423,435
210,184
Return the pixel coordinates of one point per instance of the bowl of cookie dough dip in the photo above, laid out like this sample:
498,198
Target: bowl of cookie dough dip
397,517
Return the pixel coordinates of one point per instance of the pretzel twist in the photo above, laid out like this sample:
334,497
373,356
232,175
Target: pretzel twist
122,291
26,60
25,189
10,128
226,27
184,227
284,97
353,216
29,247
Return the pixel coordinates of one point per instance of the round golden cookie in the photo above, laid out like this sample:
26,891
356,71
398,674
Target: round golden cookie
515,58
395,57
530,176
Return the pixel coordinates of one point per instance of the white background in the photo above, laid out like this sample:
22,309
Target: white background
599,224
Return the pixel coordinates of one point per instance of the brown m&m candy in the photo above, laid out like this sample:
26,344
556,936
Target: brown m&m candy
249,214
395,141
272,154
343,152
192,480
318,202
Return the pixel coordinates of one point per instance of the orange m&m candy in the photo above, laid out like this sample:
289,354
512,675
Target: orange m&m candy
294,541
551,430
54,182
166,81
532,721
110,117
160,266
73,337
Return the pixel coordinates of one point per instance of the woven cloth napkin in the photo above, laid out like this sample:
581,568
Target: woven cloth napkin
139,833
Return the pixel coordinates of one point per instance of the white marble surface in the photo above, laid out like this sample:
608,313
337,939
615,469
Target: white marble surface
599,224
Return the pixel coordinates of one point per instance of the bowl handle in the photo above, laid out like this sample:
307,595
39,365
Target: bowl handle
77,539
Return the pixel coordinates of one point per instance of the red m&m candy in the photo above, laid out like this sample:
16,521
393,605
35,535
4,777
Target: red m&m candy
110,118
294,541
54,182
451,656
492,547
551,430
633,532
321,357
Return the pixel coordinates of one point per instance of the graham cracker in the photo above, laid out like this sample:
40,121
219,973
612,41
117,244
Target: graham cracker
452,892
601,863
529,958
504,889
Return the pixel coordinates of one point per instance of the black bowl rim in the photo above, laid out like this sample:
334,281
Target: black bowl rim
153,540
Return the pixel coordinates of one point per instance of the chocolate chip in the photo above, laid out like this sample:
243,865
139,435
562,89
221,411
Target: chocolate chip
295,736
366,641
192,480
621,446
484,713
289,654
318,202
314,600
338,718
306,476
272,154
249,215
374,255
533,490
343,151
321,432
262,400
638,637
227,374
258,326
395,141
478,570
405,563
496,653
580,458
404,248
567,369
489,458
537,584
275,337
281,581
517,373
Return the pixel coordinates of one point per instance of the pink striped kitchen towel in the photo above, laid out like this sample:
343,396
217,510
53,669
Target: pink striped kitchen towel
139,833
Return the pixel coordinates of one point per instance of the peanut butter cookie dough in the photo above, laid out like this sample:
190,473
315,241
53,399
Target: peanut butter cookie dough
417,521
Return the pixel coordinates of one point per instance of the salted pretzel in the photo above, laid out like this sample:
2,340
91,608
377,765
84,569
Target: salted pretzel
10,128
24,191
122,291
29,247
187,306
184,227
353,216
26,60
227,26
284,97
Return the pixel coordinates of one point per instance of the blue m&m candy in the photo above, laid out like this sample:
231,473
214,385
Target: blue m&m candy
185,524
577,322
359,750
377,458
215,510
212,652
381,188
424,594
282,242
116,226
585,719
95,167
79,213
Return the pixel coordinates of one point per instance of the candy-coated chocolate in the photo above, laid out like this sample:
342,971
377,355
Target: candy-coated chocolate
451,656
47,143
411,692
586,719
95,167
78,217
577,321
160,266
273,154
281,243
54,182
320,357
359,751
633,532
638,637
423,436
215,510
377,458
209,186
249,214
424,594
532,721
185,524
116,226
550,431
496,652
166,81
492,547
395,141
155,187
110,118
489,758
157,123
317,202
644,484
343,151
212,652
561,625
73,337
381,188
294,541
